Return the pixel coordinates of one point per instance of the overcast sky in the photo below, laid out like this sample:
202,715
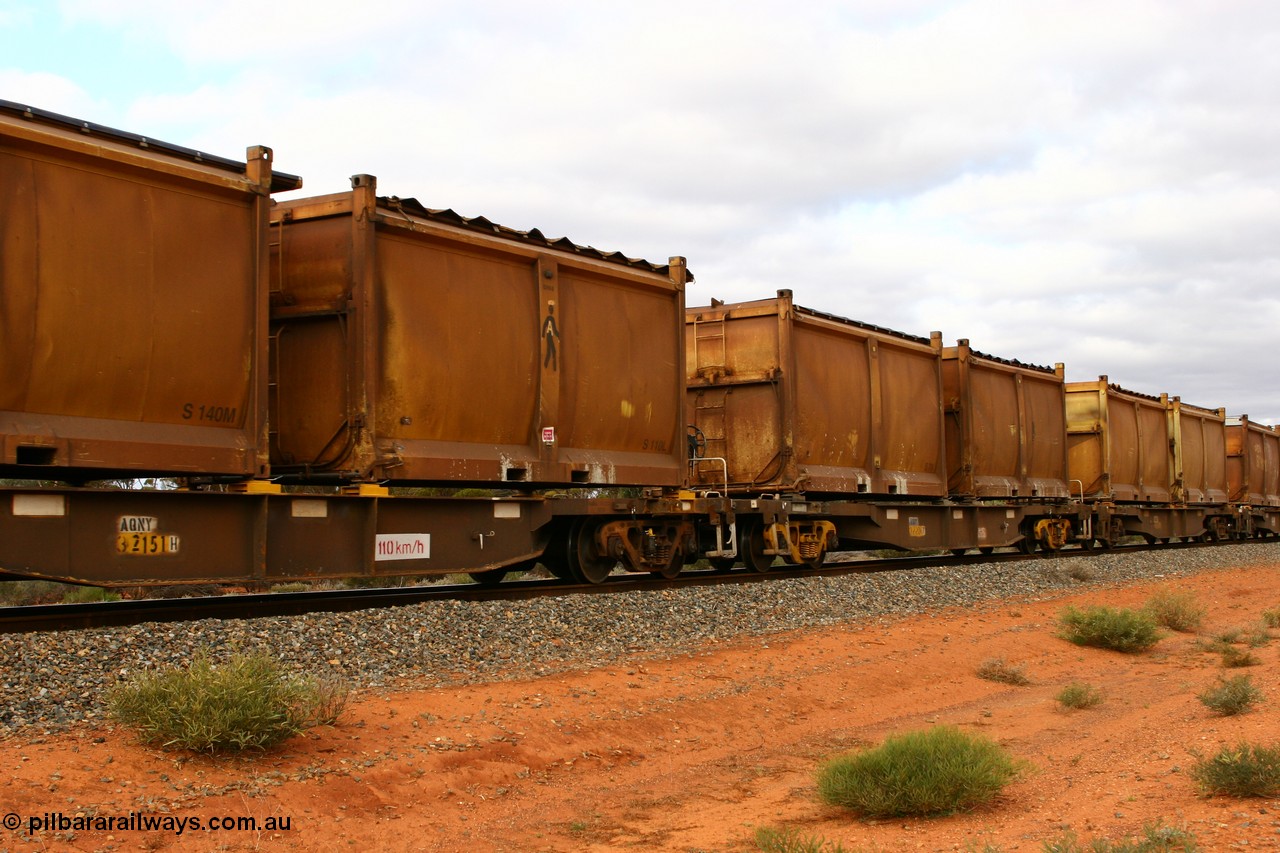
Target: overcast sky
1085,182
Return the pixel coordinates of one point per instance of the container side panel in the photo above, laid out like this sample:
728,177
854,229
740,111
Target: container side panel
458,345
1156,453
752,346
742,424
1256,467
1204,455
835,407
833,388
1084,464
311,264
741,416
722,346
1191,430
1269,475
1046,429
994,397
311,340
1086,449
1237,462
1122,427
19,277
621,386
309,420
911,388
130,310
958,480
131,301
1215,461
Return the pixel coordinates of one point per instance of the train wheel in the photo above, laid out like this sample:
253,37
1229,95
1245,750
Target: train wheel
986,549
751,549
959,552
584,565
816,562
721,564
1027,545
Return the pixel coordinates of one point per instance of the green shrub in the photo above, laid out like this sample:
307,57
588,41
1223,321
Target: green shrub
1177,611
1233,657
245,703
936,771
1253,636
1271,618
1229,635
996,669
1231,696
1108,628
1077,694
1245,770
789,840
1157,838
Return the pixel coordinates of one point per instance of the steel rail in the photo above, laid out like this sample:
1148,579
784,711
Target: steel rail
105,614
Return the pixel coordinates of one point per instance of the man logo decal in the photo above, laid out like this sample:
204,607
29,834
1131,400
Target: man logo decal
550,333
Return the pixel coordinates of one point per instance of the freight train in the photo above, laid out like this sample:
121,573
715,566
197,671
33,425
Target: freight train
359,385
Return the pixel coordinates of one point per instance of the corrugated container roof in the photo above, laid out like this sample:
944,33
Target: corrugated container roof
845,321
1011,362
413,207
280,181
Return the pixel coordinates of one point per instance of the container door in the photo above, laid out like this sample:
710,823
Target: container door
735,398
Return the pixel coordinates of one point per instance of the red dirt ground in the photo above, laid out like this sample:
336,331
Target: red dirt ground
692,753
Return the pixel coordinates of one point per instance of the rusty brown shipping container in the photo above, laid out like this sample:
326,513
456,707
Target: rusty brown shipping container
1006,426
417,346
1118,443
133,303
799,401
1253,462
1199,441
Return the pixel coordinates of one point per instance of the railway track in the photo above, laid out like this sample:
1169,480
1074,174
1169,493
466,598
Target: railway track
65,617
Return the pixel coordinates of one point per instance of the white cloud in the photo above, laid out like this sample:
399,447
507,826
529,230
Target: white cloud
47,92
1086,182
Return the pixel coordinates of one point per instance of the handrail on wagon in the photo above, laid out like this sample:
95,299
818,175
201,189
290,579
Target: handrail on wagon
1087,523
723,549
724,464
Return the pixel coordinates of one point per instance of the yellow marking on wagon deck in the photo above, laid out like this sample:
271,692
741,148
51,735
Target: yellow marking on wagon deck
140,536
146,544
